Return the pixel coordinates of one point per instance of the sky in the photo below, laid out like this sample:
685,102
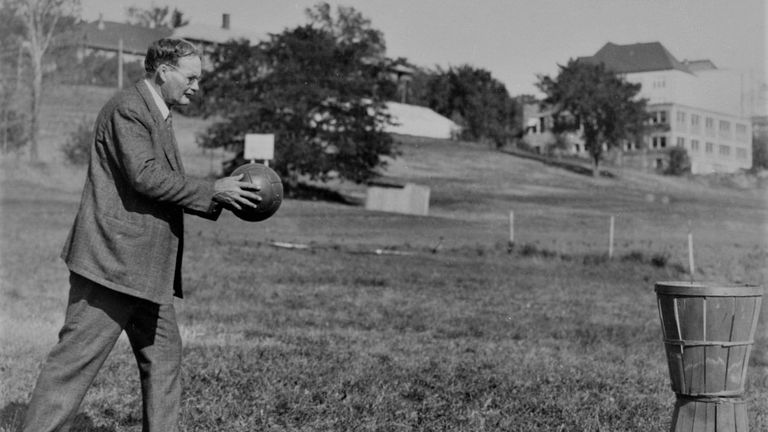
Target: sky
515,40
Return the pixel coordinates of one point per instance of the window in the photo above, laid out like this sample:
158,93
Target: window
694,119
681,142
741,130
694,145
709,147
658,117
724,150
710,123
681,117
725,126
659,142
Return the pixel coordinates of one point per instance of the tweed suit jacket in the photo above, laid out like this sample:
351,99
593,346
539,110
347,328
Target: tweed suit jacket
129,230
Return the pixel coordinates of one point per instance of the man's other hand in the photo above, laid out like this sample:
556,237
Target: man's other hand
233,193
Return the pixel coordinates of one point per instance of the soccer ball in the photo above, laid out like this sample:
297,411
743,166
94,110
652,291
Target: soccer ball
271,192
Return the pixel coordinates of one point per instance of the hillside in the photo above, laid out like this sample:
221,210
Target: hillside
468,182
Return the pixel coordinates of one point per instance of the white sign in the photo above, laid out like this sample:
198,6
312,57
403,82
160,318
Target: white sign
259,147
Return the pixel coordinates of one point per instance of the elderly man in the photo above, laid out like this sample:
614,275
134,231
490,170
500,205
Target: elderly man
125,247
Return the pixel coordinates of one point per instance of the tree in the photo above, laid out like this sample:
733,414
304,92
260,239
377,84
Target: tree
601,103
156,16
760,150
349,28
40,22
679,162
314,91
471,97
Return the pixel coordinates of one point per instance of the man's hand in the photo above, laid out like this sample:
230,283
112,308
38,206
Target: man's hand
232,193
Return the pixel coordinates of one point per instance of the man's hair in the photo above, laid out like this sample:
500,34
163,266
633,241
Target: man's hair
168,50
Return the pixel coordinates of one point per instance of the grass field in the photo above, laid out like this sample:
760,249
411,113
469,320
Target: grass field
455,332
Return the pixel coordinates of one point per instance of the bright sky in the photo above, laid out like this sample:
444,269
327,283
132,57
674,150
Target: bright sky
514,39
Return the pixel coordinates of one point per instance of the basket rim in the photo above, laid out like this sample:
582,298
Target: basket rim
705,289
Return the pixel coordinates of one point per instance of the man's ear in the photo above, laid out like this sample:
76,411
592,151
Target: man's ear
160,74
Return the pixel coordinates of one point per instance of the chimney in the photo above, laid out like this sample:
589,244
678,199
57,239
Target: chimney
100,22
225,21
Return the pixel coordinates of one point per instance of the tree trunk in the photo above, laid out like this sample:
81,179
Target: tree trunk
34,121
596,167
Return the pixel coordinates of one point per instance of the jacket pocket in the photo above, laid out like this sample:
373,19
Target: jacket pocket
125,230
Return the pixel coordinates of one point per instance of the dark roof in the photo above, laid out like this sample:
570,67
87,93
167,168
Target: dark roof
106,35
639,57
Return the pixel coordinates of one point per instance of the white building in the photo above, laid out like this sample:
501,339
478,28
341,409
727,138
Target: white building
693,104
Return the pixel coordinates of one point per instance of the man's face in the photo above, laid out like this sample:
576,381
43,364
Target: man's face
180,82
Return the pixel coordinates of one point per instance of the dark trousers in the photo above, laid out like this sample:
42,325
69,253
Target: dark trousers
95,318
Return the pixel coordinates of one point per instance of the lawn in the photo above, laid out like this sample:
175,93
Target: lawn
447,328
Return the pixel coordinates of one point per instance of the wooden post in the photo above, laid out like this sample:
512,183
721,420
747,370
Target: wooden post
690,251
610,238
511,228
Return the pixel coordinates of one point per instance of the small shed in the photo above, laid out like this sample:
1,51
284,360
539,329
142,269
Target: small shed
407,198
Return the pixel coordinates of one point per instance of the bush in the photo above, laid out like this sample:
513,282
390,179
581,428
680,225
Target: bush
760,151
77,148
12,135
660,259
679,162
531,250
634,256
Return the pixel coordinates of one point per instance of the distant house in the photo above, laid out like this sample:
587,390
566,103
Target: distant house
110,38
538,134
693,105
207,37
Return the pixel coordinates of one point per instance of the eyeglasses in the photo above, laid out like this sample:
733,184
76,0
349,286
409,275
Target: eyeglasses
191,80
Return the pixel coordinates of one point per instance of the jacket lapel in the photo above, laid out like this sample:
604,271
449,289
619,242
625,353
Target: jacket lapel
162,130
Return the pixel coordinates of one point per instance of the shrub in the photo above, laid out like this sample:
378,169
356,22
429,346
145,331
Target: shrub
634,256
679,162
659,259
77,148
531,250
12,135
595,258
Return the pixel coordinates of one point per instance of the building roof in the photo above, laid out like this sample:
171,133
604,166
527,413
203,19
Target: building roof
106,35
215,34
638,57
419,121
699,65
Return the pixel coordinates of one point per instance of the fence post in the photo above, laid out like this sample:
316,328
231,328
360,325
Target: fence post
511,227
610,238
691,267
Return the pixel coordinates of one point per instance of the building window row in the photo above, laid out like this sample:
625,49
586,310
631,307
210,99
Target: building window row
658,117
741,130
695,120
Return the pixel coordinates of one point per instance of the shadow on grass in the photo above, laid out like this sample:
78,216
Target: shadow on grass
12,415
568,165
